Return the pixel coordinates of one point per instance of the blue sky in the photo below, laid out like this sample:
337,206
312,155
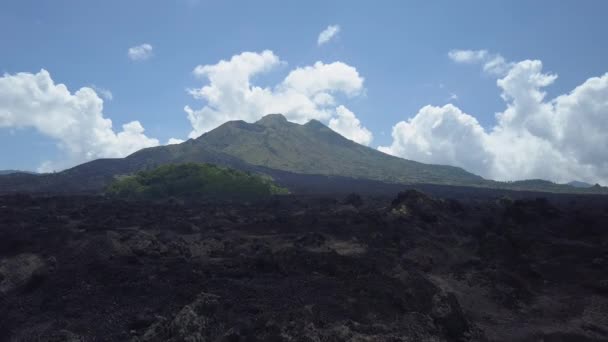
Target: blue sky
399,48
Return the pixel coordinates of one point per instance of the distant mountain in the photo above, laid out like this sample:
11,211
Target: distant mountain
578,184
548,186
313,148
291,153
8,172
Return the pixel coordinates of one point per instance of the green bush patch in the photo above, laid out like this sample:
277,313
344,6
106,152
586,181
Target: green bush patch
193,180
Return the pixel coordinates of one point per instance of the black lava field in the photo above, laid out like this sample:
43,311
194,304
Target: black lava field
407,267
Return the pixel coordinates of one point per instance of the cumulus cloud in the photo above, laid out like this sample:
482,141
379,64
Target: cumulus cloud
305,93
443,135
75,120
140,52
321,77
347,124
326,35
560,139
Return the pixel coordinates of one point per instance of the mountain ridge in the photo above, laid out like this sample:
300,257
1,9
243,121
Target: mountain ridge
276,147
579,184
314,148
9,172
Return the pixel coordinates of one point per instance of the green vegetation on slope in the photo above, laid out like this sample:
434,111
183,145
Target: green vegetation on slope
189,180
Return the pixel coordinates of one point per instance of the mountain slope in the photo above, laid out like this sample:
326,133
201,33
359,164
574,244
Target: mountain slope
9,172
297,156
313,148
579,184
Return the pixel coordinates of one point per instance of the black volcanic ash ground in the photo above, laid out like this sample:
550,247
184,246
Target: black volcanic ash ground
408,268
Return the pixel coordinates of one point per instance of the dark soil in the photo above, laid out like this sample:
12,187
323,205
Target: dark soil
344,268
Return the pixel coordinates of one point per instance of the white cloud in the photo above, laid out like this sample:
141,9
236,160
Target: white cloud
323,99
496,65
140,52
347,124
493,64
104,93
306,93
174,141
560,139
321,77
326,35
442,135
75,120
453,97
467,56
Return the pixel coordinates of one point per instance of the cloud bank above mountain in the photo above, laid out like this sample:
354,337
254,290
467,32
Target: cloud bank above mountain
347,124
306,93
560,139
75,120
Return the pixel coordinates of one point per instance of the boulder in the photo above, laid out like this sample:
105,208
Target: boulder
353,199
414,203
21,271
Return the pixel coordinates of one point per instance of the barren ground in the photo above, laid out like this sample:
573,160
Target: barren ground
413,268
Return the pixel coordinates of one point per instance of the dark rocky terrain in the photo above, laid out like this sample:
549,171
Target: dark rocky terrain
304,268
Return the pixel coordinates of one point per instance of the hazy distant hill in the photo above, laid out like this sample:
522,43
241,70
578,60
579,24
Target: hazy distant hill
292,153
8,172
578,184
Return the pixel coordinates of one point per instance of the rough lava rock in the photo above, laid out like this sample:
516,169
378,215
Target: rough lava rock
410,267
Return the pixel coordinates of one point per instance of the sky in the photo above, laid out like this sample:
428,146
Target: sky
506,89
